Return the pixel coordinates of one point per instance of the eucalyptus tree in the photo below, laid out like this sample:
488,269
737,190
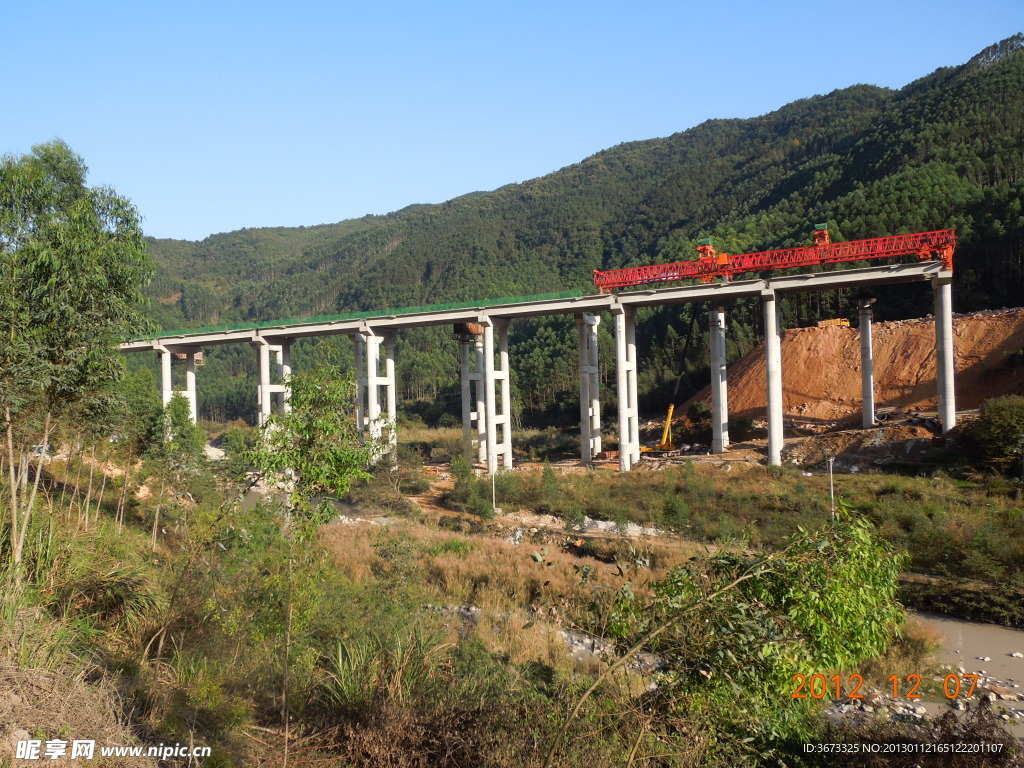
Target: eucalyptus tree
73,265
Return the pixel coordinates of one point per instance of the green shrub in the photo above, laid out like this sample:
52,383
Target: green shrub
674,511
480,506
457,547
574,518
999,430
548,484
699,412
741,429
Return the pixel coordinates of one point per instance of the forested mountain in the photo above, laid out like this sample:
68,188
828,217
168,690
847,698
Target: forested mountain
944,151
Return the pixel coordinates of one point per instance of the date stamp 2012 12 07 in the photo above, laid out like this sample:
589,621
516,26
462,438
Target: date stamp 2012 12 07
820,687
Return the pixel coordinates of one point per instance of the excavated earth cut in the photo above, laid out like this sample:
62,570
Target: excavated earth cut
821,376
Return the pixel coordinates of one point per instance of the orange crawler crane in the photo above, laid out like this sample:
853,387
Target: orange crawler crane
710,264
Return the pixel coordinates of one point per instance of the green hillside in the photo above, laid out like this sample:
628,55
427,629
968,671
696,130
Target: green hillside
944,151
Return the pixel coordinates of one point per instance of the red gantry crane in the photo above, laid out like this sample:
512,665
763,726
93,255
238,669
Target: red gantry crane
710,264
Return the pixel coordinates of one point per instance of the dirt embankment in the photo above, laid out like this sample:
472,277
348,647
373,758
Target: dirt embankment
821,376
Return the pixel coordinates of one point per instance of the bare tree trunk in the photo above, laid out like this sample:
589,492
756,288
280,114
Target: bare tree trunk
99,499
78,473
156,517
124,489
35,484
88,493
64,482
15,554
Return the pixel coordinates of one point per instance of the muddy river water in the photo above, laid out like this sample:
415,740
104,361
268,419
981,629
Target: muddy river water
995,653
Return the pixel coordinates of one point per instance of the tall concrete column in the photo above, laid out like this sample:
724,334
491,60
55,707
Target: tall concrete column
284,372
945,366
584,361
491,437
390,393
481,400
373,382
634,399
166,376
360,372
867,364
263,385
719,390
503,374
190,384
590,395
595,385
625,371
467,407
773,355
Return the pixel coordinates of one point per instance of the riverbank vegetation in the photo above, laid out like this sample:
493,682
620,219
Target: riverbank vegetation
414,643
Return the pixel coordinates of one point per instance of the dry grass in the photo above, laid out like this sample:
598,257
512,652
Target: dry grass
63,700
912,653
523,602
494,574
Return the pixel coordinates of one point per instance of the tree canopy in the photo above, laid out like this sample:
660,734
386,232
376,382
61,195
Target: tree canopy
73,266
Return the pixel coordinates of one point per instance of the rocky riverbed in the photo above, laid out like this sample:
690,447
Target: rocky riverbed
995,654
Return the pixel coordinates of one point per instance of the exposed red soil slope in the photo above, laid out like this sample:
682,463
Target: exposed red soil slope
821,368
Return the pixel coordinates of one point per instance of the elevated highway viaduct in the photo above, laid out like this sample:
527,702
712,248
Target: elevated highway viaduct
483,340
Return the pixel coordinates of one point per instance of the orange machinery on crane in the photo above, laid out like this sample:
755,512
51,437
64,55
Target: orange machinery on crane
710,264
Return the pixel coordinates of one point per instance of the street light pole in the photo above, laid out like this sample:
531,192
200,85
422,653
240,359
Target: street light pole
831,487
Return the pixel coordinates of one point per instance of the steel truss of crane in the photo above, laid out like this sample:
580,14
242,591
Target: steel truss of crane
925,246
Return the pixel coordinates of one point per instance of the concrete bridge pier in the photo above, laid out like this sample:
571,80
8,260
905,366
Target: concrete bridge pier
590,394
391,393
167,390
625,358
773,359
359,354
492,376
379,413
867,364
504,374
466,387
373,418
166,375
190,384
945,366
266,391
481,400
719,390
284,373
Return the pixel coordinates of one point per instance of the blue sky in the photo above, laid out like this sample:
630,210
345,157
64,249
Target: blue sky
213,116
